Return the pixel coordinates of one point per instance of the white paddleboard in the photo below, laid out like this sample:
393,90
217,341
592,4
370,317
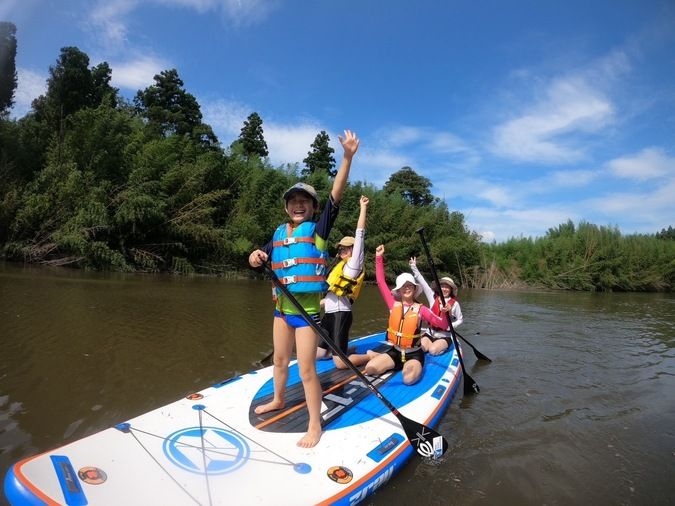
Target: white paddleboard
210,448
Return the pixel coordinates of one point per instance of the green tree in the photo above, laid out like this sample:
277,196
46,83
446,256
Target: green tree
666,234
100,140
7,66
102,92
251,138
320,157
415,189
170,110
69,88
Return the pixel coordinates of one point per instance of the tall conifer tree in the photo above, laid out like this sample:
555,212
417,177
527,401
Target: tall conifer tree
251,137
320,157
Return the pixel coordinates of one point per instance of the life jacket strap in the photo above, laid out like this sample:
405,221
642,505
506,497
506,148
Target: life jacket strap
290,262
414,339
287,241
287,280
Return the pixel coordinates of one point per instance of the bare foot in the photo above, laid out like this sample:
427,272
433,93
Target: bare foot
310,439
270,406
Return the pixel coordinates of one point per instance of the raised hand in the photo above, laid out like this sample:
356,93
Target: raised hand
350,143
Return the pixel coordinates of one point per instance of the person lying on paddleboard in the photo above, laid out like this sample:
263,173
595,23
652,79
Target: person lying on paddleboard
298,252
404,332
435,340
344,285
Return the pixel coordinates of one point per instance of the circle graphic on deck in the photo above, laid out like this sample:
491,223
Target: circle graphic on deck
209,450
92,475
194,397
340,474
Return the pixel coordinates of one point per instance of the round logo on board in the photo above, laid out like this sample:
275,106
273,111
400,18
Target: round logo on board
195,397
92,475
224,451
340,474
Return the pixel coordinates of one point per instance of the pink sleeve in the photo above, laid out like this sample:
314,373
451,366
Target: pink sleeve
382,282
428,315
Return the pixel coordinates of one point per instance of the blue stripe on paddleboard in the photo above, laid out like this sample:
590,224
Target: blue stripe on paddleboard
70,485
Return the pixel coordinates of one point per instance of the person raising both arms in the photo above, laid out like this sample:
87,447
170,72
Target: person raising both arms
344,284
298,252
435,340
404,330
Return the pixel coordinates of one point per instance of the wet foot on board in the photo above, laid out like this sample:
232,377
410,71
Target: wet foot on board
310,440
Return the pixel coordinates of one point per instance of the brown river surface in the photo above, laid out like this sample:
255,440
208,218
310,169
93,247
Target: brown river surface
577,407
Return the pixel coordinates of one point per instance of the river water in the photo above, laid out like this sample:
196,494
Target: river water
577,407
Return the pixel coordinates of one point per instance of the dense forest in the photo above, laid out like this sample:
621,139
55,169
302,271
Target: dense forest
91,180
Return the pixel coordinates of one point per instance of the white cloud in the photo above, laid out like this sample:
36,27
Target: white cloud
226,118
400,136
496,195
566,179
376,165
649,163
543,134
108,19
291,143
492,224
30,85
286,143
138,73
239,12
445,142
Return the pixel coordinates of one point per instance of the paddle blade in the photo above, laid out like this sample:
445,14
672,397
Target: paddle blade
427,442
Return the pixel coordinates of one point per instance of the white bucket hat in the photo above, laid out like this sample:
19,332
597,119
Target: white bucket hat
401,280
447,281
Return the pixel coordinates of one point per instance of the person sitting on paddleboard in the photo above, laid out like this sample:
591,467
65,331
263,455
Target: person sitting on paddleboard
298,252
344,285
404,332
435,340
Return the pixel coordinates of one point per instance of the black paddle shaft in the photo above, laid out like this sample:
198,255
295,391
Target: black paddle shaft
426,441
470,386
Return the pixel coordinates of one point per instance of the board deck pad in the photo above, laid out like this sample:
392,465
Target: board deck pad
341,388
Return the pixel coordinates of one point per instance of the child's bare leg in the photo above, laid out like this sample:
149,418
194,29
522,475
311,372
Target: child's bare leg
438,347
379,364
425,343
305,344
282,335
412,370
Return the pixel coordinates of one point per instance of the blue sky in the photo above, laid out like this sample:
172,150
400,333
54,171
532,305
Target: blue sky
522,113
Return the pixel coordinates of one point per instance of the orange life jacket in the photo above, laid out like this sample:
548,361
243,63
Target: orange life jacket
404,325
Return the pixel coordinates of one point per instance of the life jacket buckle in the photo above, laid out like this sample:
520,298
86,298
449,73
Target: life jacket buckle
289,262
287,280
289,240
